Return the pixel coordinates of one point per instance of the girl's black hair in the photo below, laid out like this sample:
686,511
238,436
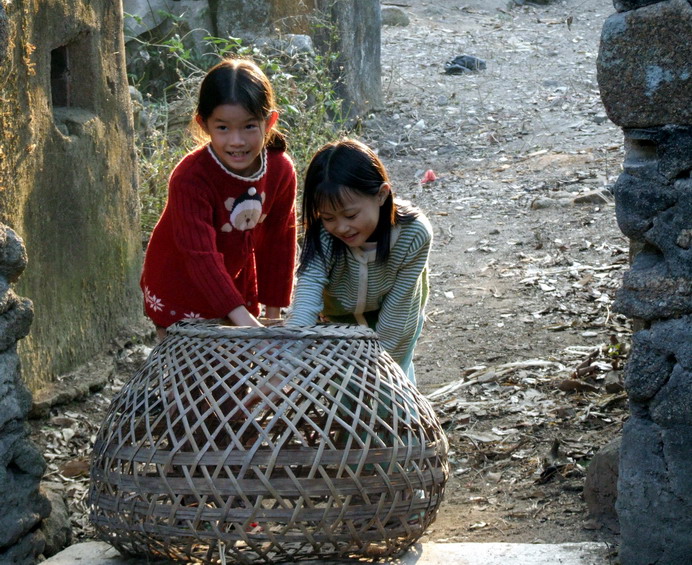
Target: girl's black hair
239,81
338,168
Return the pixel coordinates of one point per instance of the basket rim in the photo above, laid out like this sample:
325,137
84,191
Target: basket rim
201,328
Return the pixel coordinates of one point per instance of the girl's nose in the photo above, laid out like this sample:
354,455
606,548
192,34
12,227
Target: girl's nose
342,228
235,138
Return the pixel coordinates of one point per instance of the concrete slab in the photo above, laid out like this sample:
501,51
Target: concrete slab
586,553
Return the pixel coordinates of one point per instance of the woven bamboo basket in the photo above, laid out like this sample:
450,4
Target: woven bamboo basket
244,445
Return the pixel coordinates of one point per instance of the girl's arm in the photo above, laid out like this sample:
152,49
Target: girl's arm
272,312
400,312
308,302
276,245
241,317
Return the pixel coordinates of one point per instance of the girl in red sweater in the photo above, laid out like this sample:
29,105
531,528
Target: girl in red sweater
225,243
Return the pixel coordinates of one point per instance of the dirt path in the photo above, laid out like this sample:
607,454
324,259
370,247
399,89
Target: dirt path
527,253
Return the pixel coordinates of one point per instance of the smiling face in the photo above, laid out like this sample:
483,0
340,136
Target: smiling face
237,137
355,218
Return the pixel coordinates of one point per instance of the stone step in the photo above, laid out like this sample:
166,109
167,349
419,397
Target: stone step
583,553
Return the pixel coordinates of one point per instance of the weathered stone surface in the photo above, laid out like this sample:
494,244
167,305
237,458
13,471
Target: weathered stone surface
3,33
600,485
69,179
638,199
394,16
669,228
358,24
12,254
24,552
252,19
624,5
644,65
21,464
667,149
672,406
21,468
645,77
7,297
15,322
56,528
678,456
656,215
655,517
659,370
85,380
649,292
246,19
15,398
291,44
156,17
650,363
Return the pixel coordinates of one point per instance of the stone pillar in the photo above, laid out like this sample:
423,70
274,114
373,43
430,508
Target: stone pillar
645,77
21,464
358,25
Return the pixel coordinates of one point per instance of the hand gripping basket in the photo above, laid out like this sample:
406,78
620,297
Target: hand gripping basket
244,445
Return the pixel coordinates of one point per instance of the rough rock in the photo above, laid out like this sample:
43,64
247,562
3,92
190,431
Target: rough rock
667,149
600,486
21,464
3,33
625,5
56,528
655,515
394,16
645,65
15,322
12,254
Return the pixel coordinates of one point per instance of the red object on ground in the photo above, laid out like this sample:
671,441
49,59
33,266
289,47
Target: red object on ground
429,176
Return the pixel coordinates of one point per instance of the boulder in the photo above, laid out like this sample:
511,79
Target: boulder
601,485
394,16
644,65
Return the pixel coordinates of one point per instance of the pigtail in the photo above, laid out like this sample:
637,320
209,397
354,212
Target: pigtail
276,140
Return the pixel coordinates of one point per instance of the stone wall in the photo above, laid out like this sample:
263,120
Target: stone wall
68,177
645,76
21,464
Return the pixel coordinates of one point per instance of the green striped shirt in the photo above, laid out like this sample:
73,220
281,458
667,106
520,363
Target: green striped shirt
355,288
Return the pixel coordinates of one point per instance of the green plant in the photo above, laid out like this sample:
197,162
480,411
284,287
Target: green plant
309,107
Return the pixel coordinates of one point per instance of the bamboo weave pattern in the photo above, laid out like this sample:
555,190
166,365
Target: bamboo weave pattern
244,445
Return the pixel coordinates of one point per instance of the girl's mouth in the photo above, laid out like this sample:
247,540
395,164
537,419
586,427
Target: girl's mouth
348,238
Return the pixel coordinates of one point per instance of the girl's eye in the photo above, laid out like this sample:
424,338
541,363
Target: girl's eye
351,217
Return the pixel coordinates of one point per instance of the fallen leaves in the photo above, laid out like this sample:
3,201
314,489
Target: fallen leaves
536,421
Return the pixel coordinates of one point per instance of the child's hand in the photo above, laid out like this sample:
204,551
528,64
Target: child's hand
241,317
269,353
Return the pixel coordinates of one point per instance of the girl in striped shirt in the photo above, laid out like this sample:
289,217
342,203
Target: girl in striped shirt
365,255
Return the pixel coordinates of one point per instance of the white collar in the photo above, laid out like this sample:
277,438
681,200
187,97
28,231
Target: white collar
258,175
368,253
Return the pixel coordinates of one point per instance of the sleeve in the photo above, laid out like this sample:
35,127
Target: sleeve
276,250
195,237
308,301
398,321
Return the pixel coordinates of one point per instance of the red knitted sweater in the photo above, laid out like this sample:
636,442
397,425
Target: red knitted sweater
222,240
